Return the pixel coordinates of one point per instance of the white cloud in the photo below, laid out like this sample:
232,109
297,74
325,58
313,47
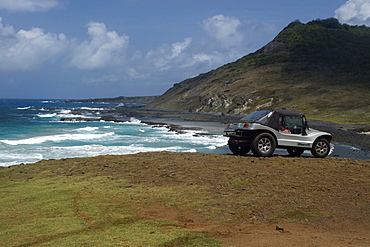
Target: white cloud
132,73
102,78
5,31
110,59
225,29
201,57
27,49
179,47
28,5
201,60
167,57
354,12
105,48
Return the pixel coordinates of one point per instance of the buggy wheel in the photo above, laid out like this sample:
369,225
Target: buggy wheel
320,148
263,145
295,152
239,150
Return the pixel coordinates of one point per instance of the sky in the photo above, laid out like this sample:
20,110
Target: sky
75,49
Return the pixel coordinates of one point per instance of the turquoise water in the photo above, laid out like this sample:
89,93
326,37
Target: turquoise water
30,130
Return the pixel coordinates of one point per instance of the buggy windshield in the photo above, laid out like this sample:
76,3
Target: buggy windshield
261,116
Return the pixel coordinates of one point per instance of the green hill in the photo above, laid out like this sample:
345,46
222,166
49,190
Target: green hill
321,68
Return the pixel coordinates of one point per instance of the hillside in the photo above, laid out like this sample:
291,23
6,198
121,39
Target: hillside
321,68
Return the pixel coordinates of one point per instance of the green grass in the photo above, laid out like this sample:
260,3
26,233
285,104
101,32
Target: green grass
78,211
172,199
299,215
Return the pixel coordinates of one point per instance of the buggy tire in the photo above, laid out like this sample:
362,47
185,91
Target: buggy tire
320,148
263,145
295,152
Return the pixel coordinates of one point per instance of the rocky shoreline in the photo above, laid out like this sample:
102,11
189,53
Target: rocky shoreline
175,120
354,134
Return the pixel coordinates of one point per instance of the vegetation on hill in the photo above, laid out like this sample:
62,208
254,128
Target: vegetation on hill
321,68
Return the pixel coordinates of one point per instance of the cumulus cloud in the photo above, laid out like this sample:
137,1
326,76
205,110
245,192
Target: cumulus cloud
109,58
27,49
28,5
105,48
167,57
200,58
225,29
354,12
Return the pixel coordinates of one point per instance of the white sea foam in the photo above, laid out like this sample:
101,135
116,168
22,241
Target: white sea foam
134,120
88,128
9,159
212,147
24,108
193,137
66,115
92,108
56,138
47,115
331,149
65,111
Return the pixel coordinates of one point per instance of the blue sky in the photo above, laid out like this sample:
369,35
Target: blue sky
59,49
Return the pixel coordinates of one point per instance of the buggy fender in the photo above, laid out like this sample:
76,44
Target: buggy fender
327,137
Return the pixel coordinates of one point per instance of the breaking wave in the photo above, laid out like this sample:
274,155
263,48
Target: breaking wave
33,131
47,115
56,138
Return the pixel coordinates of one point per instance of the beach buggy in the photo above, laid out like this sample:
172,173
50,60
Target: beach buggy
265,130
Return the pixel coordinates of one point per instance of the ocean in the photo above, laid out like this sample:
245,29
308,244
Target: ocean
32,130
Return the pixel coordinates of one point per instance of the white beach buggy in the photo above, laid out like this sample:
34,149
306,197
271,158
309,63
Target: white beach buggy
264,130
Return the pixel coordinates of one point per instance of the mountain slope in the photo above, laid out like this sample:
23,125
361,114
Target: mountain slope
321,68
